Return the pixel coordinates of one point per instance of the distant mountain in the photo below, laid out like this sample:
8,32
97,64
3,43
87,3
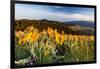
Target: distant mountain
82,23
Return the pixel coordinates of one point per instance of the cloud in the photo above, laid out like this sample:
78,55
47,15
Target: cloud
83,17
74,16
22,12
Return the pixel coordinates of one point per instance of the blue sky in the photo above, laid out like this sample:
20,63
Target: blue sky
55,13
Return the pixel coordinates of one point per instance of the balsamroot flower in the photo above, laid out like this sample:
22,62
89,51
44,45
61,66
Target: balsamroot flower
50,32
32,36
57,38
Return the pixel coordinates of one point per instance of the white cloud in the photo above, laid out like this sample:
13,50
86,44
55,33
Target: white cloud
74,16
83,17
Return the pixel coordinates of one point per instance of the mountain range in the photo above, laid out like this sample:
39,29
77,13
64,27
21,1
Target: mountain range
81,23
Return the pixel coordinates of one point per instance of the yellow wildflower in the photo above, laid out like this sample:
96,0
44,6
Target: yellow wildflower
63,38
57,38
34,36
50,32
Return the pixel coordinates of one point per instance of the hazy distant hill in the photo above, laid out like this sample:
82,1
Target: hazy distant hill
82,23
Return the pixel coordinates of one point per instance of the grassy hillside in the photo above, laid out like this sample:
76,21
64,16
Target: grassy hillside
44,24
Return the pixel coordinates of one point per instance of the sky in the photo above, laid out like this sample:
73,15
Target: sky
54,13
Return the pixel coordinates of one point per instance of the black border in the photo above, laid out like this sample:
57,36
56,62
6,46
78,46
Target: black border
12,20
